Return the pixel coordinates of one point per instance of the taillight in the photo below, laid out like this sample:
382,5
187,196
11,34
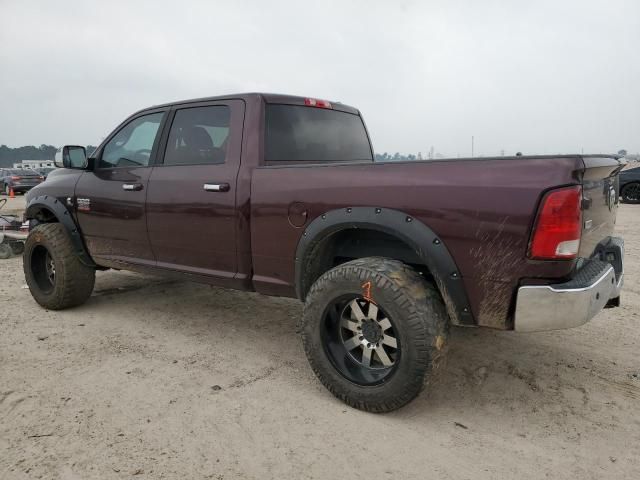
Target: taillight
556,234
15,177
314,102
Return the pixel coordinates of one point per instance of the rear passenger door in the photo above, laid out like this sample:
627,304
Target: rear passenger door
191,201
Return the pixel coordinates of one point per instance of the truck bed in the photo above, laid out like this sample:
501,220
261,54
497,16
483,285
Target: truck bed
482,208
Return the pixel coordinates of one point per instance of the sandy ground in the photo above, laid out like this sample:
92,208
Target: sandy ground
14,205
158,379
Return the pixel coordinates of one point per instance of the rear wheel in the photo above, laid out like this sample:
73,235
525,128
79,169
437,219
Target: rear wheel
631,193
55,276
374,332
5,251
17,248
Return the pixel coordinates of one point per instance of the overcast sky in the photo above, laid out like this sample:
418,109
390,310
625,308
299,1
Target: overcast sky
534,76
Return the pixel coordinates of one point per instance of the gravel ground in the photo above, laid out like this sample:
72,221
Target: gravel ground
160,379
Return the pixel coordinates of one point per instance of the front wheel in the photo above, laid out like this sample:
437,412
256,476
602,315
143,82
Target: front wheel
374,332
55,275
631,193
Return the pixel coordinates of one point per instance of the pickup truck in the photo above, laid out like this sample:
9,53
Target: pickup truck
281,195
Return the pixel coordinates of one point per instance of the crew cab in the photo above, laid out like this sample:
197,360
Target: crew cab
281,195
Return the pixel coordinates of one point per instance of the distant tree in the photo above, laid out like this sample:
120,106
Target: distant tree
401,157
9,156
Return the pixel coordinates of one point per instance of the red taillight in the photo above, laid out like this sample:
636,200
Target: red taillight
556,234
15,177
314,102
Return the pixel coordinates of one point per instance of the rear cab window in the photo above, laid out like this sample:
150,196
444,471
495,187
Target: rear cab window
304,134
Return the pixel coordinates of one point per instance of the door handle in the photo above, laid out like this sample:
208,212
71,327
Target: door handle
216,187
132,187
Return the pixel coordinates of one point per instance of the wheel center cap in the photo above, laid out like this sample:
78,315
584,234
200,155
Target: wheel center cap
371,331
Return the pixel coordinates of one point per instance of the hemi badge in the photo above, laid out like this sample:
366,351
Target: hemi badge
84,204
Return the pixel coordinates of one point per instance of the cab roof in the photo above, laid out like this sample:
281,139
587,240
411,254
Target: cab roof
266,97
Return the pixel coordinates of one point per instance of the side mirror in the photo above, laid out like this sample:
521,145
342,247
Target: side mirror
71,156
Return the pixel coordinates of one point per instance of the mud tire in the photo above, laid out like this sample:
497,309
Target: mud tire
73,281
420,323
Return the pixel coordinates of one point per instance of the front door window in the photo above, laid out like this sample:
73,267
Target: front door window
132,145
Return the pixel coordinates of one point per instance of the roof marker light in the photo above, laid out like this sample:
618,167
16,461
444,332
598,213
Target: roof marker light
314,102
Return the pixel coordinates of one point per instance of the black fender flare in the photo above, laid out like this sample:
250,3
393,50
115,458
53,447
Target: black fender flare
64,217
427,245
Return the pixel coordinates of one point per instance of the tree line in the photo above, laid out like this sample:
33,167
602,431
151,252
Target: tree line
9,156
401,157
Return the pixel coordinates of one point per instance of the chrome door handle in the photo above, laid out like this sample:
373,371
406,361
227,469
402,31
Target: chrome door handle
132,187
216,187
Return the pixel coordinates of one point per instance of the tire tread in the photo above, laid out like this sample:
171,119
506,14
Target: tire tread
425,319
76,281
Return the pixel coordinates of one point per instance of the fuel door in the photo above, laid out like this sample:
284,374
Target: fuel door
298,214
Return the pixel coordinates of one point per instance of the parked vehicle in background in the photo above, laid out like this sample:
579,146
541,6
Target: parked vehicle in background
19,180
11,237
630,185
45,171
280,195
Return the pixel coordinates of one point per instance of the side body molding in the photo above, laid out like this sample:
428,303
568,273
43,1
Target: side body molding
424,242
51,204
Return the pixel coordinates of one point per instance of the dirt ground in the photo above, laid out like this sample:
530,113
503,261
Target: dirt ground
14,205
160,379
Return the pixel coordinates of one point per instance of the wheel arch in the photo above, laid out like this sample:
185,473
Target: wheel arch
48,209
376,231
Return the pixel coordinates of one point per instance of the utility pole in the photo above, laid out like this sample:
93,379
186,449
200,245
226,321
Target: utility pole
472,145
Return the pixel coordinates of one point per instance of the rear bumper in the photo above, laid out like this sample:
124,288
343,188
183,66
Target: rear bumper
552,307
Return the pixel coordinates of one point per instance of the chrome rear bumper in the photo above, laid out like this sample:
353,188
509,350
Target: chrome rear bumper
573,303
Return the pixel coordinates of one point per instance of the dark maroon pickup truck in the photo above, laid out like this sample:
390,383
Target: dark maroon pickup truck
281,195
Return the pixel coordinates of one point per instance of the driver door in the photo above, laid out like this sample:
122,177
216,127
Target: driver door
110,200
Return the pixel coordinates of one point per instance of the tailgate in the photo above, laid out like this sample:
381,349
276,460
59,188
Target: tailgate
600,204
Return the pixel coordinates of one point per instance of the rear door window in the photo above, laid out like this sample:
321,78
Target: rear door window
297,133
198,136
